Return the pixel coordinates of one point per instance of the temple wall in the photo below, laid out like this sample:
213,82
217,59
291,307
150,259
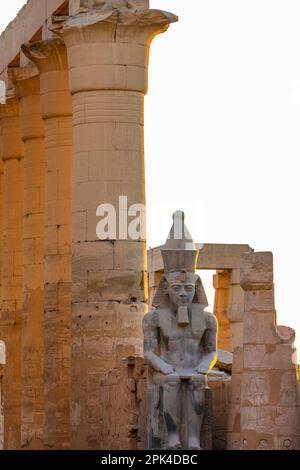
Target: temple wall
264,403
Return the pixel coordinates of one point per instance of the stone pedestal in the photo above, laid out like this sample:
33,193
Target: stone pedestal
108,58
27,86
51,59
12,268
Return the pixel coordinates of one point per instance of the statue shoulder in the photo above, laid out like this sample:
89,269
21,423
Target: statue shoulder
150,319
211,319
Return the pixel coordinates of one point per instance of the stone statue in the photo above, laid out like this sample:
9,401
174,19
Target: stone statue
179,344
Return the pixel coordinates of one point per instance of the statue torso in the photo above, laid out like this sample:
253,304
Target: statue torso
181,346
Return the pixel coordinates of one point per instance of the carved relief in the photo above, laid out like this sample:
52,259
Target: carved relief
287,444
263,445
256,389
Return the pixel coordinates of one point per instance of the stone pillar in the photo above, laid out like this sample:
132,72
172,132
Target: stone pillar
12,272
221,285
27,86
108,53
269,402
236,309
51,59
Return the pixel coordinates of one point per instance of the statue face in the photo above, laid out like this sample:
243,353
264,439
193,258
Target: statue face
181,294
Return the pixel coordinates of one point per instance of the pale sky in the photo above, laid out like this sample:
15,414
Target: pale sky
223,130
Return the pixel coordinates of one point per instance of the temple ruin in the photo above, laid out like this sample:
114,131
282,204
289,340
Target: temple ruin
73,76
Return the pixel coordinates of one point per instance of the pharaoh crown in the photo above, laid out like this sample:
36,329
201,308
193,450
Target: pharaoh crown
179,253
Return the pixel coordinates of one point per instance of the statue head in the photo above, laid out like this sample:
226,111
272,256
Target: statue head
180,286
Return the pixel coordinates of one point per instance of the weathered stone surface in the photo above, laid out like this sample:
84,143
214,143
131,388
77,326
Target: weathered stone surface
234,408
259,328
50,57
268,356
12,272
269,393
257,271
27,87
220,385
100,331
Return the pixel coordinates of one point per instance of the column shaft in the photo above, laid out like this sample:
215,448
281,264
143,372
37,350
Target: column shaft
51,59
32,128
1,256
108,62
12,272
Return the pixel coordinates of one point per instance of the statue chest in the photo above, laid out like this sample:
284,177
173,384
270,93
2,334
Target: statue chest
170,331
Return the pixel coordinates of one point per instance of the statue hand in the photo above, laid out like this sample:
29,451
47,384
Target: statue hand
167,369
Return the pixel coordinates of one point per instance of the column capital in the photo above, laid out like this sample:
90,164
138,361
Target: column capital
48,55
10,108
12,145
117,24
108,48
25,80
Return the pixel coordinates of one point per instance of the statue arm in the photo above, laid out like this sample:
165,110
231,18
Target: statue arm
209,347
151,345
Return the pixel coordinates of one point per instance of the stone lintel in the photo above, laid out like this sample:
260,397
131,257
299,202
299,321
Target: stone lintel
211,256
30,19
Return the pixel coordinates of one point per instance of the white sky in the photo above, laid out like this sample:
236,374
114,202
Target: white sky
223,129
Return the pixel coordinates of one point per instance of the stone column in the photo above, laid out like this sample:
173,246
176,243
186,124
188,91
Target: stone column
1,333
1,220
269,381
51,60
27,86
12,272
236,309
108,53
221,285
